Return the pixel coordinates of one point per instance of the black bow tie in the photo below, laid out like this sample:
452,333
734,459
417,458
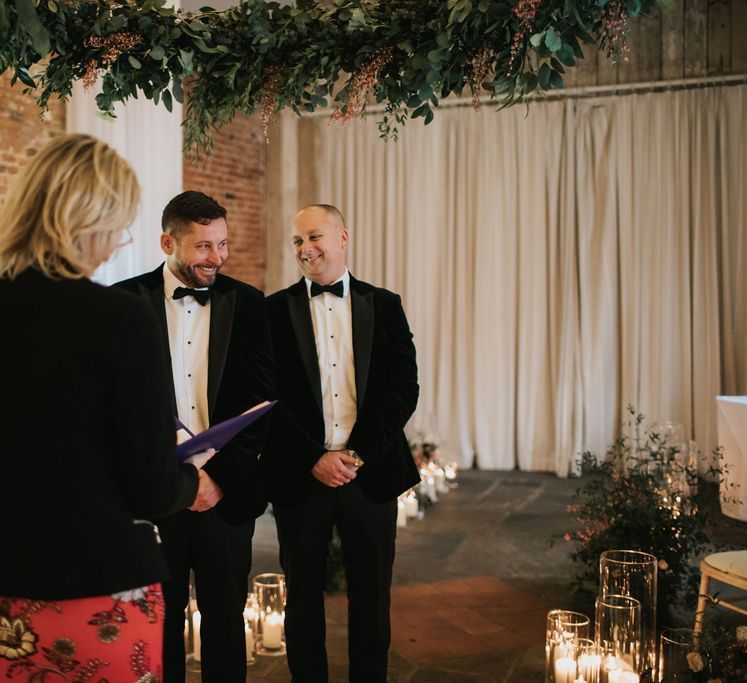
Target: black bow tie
202,296
338,289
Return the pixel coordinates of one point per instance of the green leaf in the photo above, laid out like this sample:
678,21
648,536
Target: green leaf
178,91
543,76
634,8
24,77
157,53
555,64
167,101
357,20
29,19
553,40
425,93
134,62
537,38
420,111
556,80
186,57
565,55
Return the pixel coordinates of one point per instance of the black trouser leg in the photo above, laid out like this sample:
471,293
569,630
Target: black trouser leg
174,533
221,557
368,534
303,534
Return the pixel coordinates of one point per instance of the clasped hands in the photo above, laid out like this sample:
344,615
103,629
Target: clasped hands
336,468
209,493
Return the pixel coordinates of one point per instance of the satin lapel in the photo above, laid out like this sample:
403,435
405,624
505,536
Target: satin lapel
222,306
362,307
156,299
300,317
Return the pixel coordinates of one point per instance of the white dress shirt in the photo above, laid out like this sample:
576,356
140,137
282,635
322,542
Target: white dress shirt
189,335
333,330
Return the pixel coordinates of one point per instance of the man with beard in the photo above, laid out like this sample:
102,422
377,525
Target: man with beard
216,334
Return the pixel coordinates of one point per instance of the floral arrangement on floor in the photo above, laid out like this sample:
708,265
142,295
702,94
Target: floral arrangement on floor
718,655
263,56
643,495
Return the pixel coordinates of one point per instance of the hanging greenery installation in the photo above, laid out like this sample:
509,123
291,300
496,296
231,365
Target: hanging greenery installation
260,56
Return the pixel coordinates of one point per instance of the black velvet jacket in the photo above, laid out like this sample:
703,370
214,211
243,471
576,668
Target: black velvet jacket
240,375
386,380
87,440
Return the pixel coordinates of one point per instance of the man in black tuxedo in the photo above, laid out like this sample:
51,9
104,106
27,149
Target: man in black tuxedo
337,455
215,332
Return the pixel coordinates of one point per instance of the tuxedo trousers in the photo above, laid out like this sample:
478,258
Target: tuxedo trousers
220,555
367,531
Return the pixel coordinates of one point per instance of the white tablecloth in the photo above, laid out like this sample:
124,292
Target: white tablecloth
732,436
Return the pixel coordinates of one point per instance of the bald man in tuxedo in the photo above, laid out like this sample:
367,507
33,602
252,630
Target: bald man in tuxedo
337,454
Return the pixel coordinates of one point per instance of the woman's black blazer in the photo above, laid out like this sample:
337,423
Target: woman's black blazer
87,440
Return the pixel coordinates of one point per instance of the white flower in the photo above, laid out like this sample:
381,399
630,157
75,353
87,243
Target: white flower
742,634
130,595
695,661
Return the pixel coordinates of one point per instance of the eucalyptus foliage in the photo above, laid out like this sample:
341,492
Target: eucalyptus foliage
643,496
260,54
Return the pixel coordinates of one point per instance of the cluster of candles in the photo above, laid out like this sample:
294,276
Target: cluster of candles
579,660
264,620
624,646
435,480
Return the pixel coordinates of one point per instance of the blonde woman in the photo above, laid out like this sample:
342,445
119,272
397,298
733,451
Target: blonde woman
87,431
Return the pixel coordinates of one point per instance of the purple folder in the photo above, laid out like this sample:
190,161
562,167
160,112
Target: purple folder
220,434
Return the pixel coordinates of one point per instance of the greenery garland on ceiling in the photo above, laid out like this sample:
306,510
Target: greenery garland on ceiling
262,56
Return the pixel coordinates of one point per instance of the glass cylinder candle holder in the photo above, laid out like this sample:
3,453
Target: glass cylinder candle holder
564,629
618,633
251,619
588,661
634,574
674,645
270,591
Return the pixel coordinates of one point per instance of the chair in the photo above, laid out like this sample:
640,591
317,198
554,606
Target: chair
729,568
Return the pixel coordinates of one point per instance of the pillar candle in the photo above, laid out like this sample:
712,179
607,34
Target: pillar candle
196,634
272,631
565,670
588,667
411,505
623,677
441,485
401,514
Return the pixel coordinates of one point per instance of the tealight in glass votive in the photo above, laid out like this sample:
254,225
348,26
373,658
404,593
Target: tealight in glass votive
634,574
270,591
588,661
564,629
618,634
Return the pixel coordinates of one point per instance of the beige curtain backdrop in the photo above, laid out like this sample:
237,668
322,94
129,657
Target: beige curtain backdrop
557,263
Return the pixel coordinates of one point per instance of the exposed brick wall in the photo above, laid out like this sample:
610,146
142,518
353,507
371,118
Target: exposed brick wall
235,177
22,132
234,174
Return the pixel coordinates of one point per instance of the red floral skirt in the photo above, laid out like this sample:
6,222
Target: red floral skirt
108,639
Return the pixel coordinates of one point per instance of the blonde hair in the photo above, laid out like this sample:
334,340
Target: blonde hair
67,208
